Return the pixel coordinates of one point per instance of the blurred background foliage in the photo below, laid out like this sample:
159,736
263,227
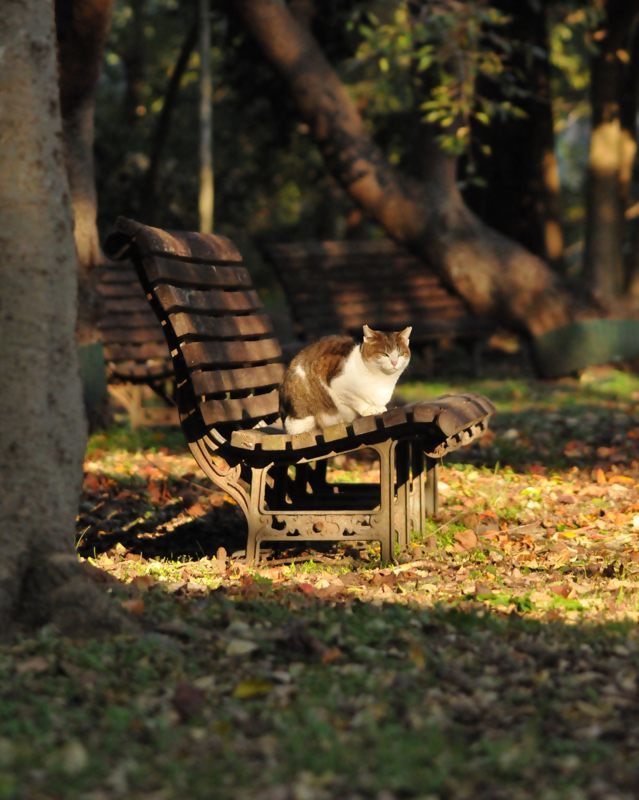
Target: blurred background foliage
411,66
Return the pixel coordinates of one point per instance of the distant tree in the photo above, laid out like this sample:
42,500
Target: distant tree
206,194
493,273
43,433
82,27
516,184
612,147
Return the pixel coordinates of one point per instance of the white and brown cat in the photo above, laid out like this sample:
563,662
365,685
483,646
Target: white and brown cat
336,379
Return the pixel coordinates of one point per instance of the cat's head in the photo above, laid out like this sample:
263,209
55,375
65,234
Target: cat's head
389,352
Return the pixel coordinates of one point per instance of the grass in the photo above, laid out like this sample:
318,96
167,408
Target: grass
503,664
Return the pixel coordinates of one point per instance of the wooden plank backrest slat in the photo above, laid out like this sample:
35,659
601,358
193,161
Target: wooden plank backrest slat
196,274
376,267
326,249
226,380
135,352
138,319
226,327
177,244
351,303
140,370
131,304
116,274
173,298
201,355
135,336
368,291
110,292
240,410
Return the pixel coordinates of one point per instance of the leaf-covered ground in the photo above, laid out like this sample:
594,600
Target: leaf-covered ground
502,664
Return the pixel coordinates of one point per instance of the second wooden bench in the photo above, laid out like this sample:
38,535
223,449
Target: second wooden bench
337,286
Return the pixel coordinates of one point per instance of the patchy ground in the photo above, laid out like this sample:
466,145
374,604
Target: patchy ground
504,663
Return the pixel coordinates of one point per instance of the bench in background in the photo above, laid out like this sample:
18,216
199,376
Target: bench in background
337,286
138,364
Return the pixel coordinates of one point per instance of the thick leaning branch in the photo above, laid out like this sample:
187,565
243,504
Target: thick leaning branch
494,274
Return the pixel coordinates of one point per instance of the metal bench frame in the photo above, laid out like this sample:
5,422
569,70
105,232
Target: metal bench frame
228,366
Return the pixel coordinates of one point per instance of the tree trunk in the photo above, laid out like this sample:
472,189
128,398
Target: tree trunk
43,430
206,196
82,27
521,193
494,274
629,122
612,149
163,124
132,55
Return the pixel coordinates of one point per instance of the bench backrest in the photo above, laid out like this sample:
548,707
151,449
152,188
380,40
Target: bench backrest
227,362
336,286
134,346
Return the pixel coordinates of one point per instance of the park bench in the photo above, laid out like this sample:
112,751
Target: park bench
228,367
138,364
333,286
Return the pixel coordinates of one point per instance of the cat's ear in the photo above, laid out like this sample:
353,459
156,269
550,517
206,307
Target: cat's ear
369,334
405,334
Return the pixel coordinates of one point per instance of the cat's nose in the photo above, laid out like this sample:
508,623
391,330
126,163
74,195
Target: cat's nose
393,362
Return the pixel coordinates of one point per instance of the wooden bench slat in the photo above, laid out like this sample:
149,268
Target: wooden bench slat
111,291
133,304
201,355
135,352
116,274
393,320
175,299
334,248
361,302
133,335
185,273
240,410
128,370
220,380
352,272
220,327
334,433
134,319
179,244
304,441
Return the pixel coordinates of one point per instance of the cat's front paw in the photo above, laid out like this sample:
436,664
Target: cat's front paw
371,410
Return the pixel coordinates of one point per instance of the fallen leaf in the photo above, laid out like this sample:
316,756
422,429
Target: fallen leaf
35,665
467,539
331,655
240,647
134,606
187,700
251,688
600,476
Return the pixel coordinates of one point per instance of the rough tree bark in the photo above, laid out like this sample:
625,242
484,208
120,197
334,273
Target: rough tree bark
42,428
494,274
82,27
612,152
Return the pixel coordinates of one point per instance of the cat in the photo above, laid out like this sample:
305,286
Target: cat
336,379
